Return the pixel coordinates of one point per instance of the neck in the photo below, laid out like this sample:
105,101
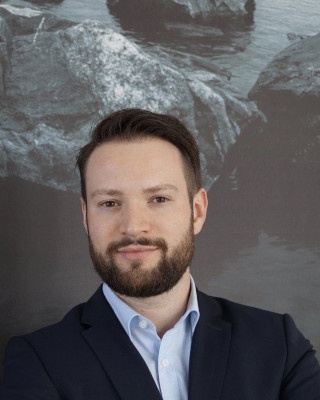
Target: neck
164,310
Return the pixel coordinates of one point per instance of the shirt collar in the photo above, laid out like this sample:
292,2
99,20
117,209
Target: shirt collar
125,313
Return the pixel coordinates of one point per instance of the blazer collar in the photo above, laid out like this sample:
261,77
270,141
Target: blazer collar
118,356
209,351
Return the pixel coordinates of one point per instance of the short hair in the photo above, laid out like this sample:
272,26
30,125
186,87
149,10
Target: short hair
135,124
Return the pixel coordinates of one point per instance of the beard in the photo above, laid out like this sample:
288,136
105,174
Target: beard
137,281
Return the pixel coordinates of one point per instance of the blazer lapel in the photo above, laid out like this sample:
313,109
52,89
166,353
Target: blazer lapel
209,351
118,356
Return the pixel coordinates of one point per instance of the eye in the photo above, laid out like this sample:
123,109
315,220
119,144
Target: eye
160,199
109,203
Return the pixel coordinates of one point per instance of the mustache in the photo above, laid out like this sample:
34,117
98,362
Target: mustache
156,242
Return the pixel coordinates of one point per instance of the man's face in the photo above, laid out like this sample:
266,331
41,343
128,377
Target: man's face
138,216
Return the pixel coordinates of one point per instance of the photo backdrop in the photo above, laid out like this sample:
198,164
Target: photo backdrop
242,75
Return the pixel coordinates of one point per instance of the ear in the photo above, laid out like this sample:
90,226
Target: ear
84,214
200,205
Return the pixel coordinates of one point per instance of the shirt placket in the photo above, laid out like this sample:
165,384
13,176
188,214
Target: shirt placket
166,369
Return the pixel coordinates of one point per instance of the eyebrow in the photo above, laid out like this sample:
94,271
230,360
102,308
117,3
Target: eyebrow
159,188
149,190
103,192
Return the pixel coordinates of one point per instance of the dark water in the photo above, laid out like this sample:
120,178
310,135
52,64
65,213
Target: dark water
273,20
260,245
244,52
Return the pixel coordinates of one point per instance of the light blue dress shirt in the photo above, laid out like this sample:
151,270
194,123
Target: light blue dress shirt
166,358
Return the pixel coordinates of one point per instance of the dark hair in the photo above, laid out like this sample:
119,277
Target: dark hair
133,124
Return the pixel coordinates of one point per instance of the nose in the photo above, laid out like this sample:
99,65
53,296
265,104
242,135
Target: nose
134,220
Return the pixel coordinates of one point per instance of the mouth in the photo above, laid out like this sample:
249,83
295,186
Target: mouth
134,252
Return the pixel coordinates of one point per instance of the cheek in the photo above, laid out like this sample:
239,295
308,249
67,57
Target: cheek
178,227
100,232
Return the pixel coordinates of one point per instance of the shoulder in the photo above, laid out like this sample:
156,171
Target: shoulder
52,336
64,340
257,325
255,329
266,339
235,312
70,327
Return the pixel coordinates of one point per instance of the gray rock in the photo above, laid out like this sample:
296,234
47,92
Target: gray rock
47,1
5,45
162,10
295,71
296,36
62,81
205,8
288,92
43,155
26,21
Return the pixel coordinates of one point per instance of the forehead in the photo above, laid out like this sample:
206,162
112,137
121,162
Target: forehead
145,160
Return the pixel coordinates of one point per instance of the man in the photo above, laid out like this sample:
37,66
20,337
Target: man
147,333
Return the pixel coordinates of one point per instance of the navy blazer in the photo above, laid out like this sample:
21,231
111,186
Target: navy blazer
238,353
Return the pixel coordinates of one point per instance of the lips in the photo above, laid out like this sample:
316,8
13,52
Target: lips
134,252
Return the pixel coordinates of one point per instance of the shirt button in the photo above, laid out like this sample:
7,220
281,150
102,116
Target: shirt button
143,324
165,363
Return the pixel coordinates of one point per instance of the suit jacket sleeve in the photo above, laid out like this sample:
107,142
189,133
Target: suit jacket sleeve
25,377
301,378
